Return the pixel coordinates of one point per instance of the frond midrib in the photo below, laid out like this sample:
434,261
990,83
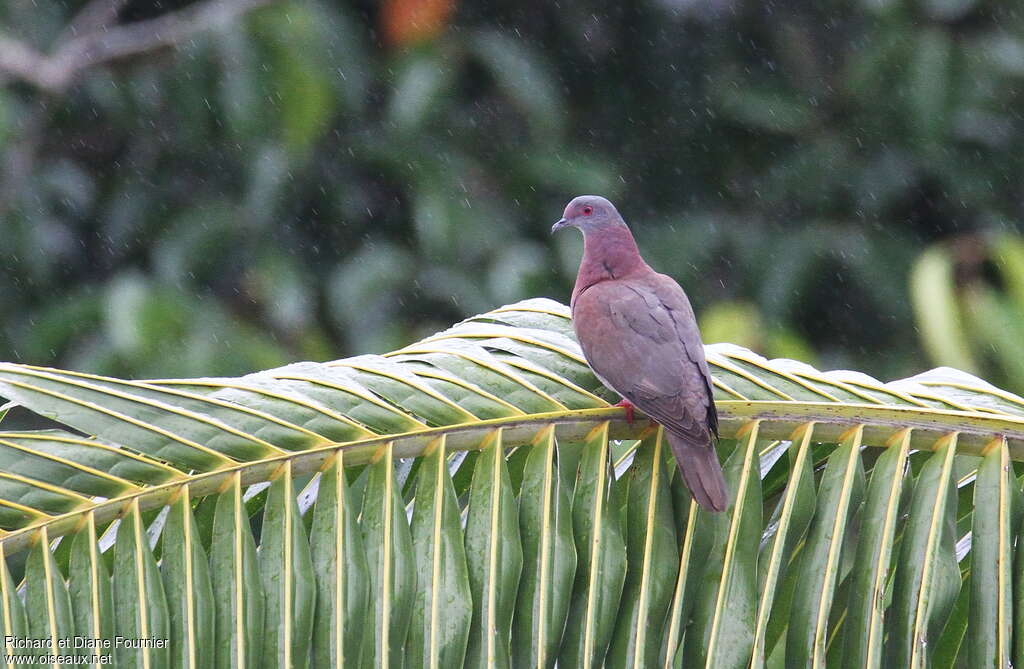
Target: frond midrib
778,420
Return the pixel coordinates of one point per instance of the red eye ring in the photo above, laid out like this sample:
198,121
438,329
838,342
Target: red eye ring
588,210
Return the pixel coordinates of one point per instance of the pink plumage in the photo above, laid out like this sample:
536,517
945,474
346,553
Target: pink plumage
639,335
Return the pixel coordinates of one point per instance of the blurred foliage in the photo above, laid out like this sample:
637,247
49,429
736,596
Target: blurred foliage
968,296
323,178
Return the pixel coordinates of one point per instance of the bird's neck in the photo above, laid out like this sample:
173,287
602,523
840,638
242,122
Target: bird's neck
610,253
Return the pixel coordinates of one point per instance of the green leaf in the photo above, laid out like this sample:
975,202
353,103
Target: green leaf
88,466
15,623
871,570
722,633
795,512
930,71
500,402
339,560
47,603
1018,596
90,588
731,633
933,297
234,573
994,324
1008,252
927,575
494,554
699,534
996,508
301,88
949,651
139,597
523,78
289,587
178,436
420,85
601,551
187,584
651,540
443,610
389,556
549,557
839,494
768,108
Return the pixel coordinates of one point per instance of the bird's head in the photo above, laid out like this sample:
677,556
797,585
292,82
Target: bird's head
588,213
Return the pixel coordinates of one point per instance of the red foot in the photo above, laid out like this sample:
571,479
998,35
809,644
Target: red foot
628,406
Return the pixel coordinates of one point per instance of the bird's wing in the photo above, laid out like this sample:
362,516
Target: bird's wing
685,322
640,336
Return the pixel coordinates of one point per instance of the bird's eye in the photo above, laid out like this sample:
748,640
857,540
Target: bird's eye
588,210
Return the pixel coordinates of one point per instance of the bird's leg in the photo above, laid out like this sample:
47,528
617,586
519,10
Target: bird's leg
628,406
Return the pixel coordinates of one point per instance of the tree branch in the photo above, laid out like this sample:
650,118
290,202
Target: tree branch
97,15
101,43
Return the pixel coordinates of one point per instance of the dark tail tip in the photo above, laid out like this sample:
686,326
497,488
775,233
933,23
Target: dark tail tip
701,472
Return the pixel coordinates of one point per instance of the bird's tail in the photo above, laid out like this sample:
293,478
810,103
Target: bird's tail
698,463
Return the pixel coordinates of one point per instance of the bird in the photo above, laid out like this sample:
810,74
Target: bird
639,335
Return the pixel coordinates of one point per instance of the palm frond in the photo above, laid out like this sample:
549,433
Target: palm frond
473,499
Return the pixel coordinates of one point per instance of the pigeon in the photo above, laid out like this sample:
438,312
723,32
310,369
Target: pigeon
638,333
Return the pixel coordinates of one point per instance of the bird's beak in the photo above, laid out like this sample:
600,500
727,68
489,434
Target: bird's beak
559,225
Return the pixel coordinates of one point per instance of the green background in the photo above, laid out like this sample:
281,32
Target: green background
320,179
